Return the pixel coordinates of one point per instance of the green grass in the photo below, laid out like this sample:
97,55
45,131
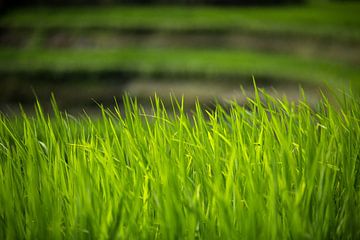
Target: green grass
335,20
272,170
206,62
327,20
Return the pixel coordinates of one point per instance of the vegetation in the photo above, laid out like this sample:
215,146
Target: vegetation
270,170
335,20
203,62
331,24
147,2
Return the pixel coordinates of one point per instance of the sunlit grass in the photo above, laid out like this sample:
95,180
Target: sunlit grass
270,170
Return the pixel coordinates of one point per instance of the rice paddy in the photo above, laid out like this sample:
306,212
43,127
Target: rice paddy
271,169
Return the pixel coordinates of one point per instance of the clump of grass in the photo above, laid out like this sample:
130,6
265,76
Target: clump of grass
272,170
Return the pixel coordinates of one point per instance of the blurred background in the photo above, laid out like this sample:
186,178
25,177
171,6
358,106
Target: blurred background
90,51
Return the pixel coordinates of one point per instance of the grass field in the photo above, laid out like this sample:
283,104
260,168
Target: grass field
270,170
203,62
339,21
317,44
261,168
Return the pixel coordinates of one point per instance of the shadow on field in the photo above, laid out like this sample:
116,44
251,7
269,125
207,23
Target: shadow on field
75,97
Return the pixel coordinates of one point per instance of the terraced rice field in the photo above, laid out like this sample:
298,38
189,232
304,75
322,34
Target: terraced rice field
113,50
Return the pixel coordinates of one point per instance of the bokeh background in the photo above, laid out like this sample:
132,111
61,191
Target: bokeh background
89,51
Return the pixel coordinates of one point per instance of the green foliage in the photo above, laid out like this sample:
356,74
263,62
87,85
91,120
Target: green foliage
270,170
326,22
333,20
209,63
153,2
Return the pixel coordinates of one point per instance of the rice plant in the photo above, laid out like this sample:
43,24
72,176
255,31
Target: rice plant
272,169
